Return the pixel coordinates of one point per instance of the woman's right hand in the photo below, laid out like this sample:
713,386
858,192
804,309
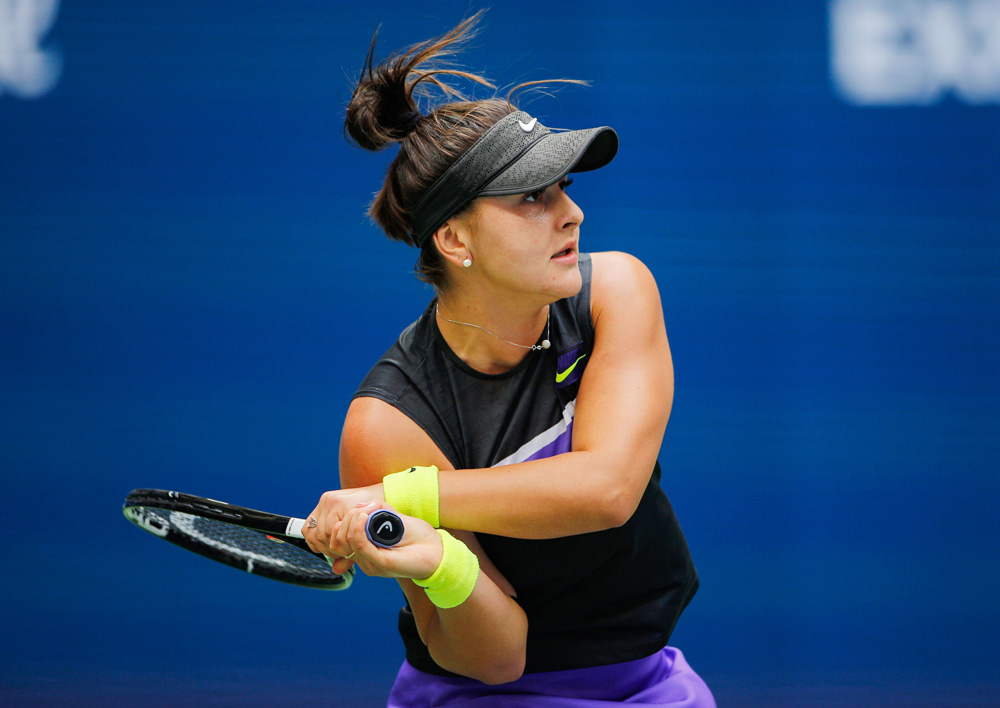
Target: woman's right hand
331,509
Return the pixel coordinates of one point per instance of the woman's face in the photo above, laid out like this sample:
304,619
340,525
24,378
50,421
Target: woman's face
528,243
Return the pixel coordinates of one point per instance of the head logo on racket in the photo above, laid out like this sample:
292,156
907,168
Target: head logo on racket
384,528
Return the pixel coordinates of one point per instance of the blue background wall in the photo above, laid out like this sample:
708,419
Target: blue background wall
190,292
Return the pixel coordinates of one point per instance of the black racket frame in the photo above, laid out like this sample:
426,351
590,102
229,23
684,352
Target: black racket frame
273,525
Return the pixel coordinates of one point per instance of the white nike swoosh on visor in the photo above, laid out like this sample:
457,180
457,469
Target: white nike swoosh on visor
529,126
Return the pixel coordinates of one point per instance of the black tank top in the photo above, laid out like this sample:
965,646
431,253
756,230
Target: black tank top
591,599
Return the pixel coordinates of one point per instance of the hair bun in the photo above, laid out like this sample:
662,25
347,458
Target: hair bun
383,107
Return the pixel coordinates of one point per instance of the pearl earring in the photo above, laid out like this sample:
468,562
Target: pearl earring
467,263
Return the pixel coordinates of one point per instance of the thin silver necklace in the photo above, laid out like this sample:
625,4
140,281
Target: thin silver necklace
534,347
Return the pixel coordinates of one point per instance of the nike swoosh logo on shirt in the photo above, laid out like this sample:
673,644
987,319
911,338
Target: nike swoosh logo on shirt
529,126
561,375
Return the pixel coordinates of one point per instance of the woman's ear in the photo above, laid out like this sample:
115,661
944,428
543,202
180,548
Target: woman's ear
452,241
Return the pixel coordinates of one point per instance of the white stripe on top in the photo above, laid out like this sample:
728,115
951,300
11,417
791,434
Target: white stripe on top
547,437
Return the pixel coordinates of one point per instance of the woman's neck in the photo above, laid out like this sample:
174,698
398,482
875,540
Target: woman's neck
491,339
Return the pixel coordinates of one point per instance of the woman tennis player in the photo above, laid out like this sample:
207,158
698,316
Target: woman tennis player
523,411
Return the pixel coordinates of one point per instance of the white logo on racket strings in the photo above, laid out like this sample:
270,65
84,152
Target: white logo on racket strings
148,521
529,126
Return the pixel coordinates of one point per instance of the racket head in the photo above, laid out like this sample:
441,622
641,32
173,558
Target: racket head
247,539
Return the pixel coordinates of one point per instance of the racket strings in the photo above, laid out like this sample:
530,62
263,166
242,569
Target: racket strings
250,546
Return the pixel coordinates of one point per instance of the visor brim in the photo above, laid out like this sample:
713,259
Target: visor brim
552,157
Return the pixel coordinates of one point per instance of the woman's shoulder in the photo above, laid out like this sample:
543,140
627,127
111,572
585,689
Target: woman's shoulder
378,438
621,278
613,266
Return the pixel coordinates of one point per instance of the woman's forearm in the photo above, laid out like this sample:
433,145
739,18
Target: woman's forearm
572,493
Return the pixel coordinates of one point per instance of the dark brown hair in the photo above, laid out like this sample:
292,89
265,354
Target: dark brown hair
384,110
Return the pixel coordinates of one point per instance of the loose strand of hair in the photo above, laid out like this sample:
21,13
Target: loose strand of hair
535,86
431,77
431,55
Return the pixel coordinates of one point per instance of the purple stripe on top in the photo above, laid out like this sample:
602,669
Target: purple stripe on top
553,441
561,444
663,680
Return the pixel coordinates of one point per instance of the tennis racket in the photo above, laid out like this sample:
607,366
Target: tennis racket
268,545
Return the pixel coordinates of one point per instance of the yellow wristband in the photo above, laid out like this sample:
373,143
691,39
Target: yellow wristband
414,492
455,578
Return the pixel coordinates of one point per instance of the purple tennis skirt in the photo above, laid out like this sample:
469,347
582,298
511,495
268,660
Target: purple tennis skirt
663,679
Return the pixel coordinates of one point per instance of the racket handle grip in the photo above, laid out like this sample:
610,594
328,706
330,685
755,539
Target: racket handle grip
384,528
294,527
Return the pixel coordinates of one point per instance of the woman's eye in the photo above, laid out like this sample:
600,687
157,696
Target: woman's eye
533,197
